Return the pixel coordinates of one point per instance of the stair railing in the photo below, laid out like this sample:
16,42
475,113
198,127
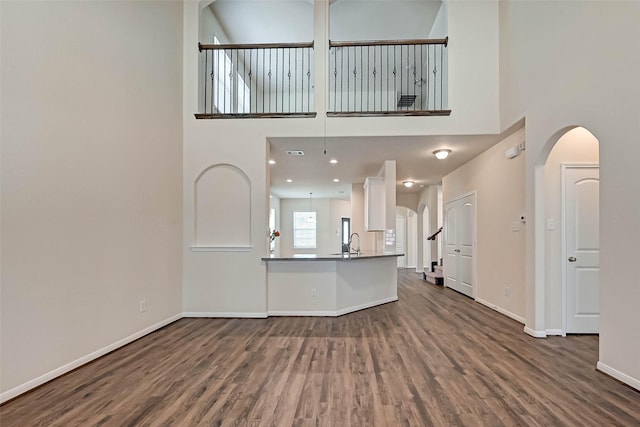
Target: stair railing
433,236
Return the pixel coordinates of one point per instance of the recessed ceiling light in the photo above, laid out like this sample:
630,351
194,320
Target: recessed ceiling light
272,162
289,180
333,161
408,184
336,180
442,154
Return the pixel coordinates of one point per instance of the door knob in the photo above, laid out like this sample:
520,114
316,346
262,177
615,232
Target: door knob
456,250
572,259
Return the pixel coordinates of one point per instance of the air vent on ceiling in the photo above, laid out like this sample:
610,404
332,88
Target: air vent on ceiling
295,152
406,100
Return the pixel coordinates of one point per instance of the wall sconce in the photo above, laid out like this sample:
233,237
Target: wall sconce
441,154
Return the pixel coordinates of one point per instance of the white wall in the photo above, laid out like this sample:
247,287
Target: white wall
576,146
329,214
367,238
439,29
91,180
499,184
210,27
553,75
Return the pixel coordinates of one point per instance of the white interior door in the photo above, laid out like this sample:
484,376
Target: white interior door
401,227
459,236
582,248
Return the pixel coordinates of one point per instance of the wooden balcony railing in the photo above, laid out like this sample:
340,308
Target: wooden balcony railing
256,80
366,78
392,77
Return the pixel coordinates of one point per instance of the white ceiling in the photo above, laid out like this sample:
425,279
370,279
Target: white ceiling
265,21
288,21
361,157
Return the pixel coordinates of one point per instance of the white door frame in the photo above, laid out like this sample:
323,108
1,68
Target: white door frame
474,249
564,167
404,237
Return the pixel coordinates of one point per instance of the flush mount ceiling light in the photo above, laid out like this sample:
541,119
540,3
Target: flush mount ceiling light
333,161
272,162
336,180
289,180
408,184
442,154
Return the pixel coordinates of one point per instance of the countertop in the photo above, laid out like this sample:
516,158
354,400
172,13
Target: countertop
331,257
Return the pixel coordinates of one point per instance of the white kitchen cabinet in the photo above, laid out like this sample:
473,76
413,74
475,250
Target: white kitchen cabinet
374,204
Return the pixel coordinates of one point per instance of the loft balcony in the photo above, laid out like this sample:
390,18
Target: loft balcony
388,77
365,78
268,80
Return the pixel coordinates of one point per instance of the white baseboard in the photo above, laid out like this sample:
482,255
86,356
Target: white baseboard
23,388
367,305
534,333
628,380
502,311
550,332
220,314
330,313
303,313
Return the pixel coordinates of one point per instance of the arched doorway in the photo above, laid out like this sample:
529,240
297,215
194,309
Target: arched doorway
407,236
567,232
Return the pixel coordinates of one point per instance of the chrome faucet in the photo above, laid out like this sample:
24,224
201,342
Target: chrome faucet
351,240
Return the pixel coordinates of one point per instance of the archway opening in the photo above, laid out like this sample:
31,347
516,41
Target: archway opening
567,232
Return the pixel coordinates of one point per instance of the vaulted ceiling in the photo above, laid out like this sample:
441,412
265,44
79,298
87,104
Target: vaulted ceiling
284,21
281,21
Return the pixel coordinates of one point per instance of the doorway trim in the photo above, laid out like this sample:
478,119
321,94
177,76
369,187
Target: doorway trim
564,167
474,249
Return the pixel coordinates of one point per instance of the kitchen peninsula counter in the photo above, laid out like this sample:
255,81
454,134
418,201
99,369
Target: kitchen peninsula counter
331,284
332,257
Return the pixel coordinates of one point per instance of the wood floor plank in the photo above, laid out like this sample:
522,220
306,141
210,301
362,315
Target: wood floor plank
434,358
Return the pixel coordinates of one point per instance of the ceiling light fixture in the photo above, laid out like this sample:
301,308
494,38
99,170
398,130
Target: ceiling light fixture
408,184
289,180
272,162
336,180
333,161
442,154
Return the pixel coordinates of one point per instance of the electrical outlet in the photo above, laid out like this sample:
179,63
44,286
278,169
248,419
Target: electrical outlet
314,292
143,306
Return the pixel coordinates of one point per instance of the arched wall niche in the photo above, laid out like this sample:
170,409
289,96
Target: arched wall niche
222,208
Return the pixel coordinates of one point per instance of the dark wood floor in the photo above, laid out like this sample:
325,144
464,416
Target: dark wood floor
434,357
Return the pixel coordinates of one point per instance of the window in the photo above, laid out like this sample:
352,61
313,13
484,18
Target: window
226,98
346,234
304,229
